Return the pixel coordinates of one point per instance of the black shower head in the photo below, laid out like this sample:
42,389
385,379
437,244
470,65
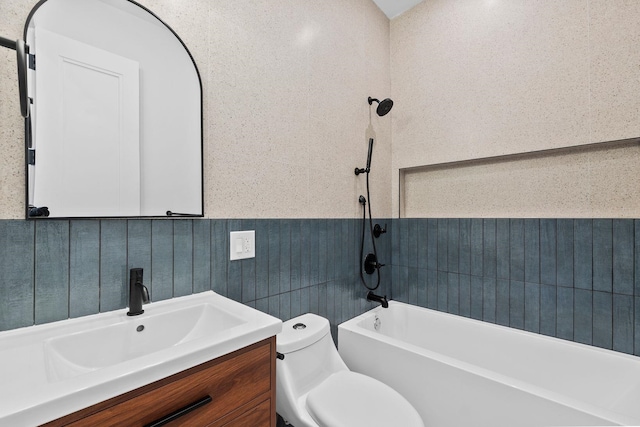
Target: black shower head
384,106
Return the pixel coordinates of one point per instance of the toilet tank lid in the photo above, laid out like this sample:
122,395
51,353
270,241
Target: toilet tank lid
301,332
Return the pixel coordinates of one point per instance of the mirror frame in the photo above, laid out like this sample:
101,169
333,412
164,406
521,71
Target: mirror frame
28,135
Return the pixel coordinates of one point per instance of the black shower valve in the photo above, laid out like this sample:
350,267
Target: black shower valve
371,264
377,230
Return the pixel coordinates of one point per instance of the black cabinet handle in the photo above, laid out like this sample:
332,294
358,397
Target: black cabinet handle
180,412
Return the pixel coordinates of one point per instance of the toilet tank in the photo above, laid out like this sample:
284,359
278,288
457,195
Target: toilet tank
310,355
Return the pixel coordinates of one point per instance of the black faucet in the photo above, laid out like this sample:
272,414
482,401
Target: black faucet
377,298
138,293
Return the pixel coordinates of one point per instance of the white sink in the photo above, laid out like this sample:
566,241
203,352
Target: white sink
76,353
51,370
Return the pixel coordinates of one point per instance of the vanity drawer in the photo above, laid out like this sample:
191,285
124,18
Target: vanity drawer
230,382
260,415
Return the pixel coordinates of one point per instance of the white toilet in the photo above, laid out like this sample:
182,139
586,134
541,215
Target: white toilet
316,389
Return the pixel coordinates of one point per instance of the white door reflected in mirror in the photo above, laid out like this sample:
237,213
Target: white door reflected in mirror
88,107
116,124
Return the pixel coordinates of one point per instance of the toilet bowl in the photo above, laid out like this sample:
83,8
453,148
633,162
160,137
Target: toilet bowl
314,387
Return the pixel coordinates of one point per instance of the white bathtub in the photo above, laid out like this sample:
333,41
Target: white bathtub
462,372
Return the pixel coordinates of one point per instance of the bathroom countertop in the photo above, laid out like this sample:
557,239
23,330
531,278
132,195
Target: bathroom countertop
31,394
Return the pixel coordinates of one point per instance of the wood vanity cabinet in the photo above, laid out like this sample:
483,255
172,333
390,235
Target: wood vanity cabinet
235,390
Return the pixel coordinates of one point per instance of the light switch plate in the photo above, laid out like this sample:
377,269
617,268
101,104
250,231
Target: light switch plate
242,244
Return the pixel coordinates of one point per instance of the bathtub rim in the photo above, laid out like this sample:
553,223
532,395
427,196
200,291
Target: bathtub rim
352,326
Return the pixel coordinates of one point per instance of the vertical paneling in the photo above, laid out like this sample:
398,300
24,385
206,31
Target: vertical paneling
502,302
248,266
564,327
306,239
476,297
532,307
489,299
602,319
582,254
423,241
17,278
422,287
443,291
548,251
516,304
263,262
201,255
465,295
114,286
295,262
219,256
477,255
234,268
623,323
52,271
564,252
443,238
532,250
284,305
161,260
566,278
453,245
602,255
623,245
331,255
453,293
636,229
489,259
548,310
314,251
139,249
182,257
323,237
465,246
84,267
412,243
503,248
583,320
636,328
412,285
432,289
55,269
516,249
285,259
432,244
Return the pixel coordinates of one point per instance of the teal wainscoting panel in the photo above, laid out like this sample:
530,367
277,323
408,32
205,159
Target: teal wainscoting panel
114,279
17,262
52,271
201,255
161,260
84,267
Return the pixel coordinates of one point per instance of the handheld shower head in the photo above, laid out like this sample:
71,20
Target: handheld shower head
384,106
358,171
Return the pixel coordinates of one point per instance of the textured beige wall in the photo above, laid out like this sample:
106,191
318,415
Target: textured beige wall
285,87
479,78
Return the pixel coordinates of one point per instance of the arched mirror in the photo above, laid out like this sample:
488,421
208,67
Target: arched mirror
116,118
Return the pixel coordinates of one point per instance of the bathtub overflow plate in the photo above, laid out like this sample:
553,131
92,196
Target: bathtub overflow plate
299,326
